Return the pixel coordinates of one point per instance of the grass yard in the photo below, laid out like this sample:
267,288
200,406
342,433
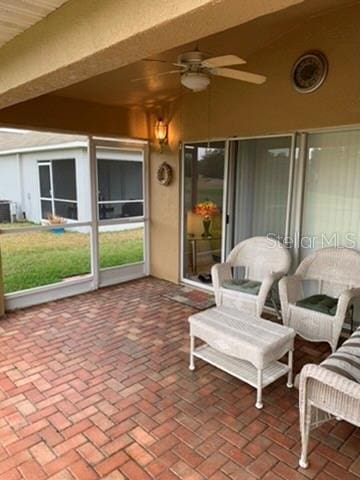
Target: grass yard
41,258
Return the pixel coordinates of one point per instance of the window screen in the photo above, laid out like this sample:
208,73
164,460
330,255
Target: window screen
64,179
45,184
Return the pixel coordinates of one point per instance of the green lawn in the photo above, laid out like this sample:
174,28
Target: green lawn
41,258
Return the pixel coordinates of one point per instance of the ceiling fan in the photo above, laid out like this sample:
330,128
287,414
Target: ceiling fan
195,70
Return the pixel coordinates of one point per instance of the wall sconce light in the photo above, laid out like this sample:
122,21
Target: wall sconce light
161,133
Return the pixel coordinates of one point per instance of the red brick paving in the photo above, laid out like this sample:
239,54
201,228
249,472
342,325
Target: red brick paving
98,386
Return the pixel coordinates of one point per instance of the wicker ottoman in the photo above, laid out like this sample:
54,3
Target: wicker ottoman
243,345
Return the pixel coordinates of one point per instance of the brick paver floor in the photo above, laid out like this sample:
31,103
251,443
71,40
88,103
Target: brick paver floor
98,386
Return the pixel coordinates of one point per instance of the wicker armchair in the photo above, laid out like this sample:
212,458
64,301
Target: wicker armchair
262,261
320,317
328,390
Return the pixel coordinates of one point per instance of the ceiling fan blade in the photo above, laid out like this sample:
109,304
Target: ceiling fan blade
160,74
223,61
239,75
154,60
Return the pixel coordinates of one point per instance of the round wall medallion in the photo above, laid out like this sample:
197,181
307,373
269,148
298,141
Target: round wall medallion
309,72
164,174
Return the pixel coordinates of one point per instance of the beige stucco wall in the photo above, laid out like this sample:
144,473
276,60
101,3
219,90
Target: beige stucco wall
165,206
238,109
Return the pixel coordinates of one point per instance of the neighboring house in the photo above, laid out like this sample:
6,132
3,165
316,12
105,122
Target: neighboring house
44,174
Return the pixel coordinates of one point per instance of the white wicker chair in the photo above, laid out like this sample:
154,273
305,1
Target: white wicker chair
264,260
329,390
336,272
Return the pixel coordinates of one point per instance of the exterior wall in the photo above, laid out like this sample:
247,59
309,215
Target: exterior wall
164,217
19,178
10,180
238,109
31,183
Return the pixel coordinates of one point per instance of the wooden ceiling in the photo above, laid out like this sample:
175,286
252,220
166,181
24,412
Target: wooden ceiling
16,16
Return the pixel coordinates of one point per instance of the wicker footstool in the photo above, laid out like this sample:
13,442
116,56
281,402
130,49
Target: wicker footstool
243,345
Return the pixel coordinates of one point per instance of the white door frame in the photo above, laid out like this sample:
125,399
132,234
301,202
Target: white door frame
122,273
183,279
51,198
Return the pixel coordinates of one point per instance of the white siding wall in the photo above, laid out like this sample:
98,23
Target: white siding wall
31,177
19,178
10,180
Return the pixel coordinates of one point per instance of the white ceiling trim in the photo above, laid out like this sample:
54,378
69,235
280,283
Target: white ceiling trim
16,16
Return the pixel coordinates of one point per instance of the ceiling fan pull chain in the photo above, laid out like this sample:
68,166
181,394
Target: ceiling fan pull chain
209,117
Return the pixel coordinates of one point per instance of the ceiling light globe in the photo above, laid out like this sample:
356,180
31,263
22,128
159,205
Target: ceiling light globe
195,81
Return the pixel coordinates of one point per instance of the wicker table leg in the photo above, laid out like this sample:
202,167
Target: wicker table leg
290,383
192,347
259,403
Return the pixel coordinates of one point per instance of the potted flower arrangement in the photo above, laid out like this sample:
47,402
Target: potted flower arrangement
58,223
207,210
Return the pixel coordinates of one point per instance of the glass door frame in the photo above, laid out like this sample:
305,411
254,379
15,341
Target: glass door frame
50,199
228,196
113,275
183,279
231,185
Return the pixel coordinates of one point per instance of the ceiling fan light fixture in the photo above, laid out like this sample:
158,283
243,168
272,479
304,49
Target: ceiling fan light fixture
195,81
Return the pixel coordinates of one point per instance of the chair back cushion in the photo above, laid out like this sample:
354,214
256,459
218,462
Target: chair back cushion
346,360
260,256
335,268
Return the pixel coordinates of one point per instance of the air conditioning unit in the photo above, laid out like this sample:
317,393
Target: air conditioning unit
7,211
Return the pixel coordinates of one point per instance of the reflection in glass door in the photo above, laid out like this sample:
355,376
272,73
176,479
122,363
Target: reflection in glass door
121,212
203,194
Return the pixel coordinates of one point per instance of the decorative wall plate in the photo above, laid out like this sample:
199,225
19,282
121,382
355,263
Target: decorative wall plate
164,174
309,72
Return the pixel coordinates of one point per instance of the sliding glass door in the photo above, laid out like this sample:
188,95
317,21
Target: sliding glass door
259,196
203,197
252,185
331,202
